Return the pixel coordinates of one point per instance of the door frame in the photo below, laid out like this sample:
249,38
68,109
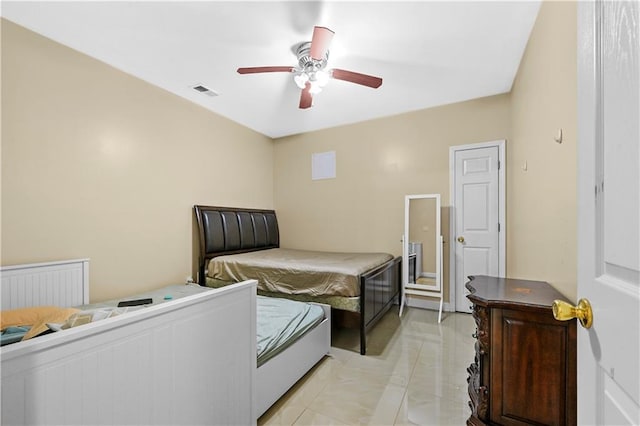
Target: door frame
502,216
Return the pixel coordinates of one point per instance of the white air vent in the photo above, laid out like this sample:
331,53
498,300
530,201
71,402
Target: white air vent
205,90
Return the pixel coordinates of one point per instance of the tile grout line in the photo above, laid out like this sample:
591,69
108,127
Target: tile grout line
406,388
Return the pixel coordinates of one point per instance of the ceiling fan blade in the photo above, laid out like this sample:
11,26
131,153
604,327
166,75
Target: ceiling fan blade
306,98
320,42
356,77
254,70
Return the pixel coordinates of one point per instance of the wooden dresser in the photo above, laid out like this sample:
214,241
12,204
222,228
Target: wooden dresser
524,370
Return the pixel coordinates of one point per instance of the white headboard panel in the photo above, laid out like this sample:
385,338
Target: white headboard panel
63,283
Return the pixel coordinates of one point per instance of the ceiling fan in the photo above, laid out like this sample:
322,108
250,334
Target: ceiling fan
310,74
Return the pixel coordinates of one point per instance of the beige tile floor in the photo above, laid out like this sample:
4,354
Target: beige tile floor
414,373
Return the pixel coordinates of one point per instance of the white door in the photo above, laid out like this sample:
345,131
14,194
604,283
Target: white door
609,212
476,228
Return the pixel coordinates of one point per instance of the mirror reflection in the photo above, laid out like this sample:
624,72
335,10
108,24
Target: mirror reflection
422,241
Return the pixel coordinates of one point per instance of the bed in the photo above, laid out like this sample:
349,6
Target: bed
291,337
241,243
189,337
126,369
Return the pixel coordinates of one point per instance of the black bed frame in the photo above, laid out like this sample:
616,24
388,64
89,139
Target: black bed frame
229,230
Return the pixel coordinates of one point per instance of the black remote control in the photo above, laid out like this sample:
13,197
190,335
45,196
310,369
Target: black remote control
136,302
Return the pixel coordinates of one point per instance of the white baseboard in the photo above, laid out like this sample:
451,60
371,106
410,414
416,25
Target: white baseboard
428,275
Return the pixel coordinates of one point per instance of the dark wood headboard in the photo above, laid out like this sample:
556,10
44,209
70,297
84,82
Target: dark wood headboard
230,230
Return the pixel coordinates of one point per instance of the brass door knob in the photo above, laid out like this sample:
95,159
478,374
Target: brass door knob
563,311
461,239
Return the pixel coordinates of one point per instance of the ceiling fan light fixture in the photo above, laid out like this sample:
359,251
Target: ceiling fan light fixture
311,74
315,88
321,78
317,78
301,79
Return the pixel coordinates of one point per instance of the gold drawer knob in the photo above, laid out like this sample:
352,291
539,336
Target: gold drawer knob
461,239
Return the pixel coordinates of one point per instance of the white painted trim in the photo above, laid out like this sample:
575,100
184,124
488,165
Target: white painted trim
433,291
502,209
38,265
427,274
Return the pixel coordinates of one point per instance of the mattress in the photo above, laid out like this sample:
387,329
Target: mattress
298,272
13,334
280,322
339,302
161,295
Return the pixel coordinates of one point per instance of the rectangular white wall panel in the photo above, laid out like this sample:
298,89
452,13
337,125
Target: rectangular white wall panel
63,284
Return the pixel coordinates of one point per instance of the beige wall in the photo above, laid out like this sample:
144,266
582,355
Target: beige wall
98,164
541,201
378,163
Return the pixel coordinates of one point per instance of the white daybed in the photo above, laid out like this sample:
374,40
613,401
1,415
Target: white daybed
275,373
171,339
143,367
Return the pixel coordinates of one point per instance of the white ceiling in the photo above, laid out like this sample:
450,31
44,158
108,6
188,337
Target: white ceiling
428,53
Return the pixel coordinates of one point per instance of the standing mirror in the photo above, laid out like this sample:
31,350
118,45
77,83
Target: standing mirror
422,248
